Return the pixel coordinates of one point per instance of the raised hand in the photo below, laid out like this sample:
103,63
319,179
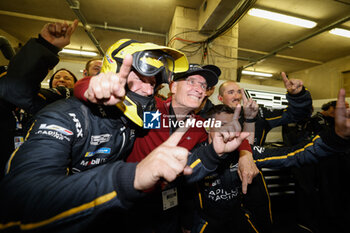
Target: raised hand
293,86
166,161
58,34
229,137
342,116
250,107
109,88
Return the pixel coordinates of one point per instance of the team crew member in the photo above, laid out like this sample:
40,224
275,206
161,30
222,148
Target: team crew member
188,91
68,175
299,106
92,67
220,209
62,78
30,66
257,199
20,85
315,183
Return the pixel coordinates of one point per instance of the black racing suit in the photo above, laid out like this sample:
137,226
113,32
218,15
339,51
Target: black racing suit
257,199
322,198
26,70
219,194
68,175
20,89
67,169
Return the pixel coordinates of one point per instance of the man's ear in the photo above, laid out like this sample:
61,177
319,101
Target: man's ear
220,98
173,87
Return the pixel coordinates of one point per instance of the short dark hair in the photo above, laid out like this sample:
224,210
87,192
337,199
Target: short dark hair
326,106
87,65
220,108
51,79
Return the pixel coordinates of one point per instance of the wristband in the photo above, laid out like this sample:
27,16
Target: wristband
250,120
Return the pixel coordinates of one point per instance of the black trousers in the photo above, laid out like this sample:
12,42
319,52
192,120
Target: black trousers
257,203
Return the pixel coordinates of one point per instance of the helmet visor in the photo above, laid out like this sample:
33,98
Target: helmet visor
152,62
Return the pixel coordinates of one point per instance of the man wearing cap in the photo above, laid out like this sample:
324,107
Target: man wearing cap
158,213
68,176
188,91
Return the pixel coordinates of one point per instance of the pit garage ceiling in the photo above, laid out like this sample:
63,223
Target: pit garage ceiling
264,45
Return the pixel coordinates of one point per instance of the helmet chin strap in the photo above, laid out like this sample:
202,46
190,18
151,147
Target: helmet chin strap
147,103
134,105
160,79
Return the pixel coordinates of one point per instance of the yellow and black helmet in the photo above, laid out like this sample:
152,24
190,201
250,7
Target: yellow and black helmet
148,59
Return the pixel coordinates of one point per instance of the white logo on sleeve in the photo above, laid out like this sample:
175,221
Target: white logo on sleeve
56,128
99,139
77,125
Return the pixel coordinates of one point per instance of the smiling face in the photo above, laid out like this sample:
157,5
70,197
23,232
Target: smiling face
63,78
189,93
140,84
230,94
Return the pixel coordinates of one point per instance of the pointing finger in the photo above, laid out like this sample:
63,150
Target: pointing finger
237,112
341,99
255,105
72,28
285,78
175,138
244,184
340,107
245,100
125,69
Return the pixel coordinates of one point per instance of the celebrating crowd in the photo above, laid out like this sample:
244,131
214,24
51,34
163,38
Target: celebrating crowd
84,161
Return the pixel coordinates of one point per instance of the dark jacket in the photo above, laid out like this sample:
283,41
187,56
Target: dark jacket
74,174
20,89
320,207
220,192
69,173
26,70
299,107
257,199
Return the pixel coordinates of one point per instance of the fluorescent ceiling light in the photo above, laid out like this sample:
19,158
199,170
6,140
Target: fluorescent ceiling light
340,32
282,18
256,73
79,52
